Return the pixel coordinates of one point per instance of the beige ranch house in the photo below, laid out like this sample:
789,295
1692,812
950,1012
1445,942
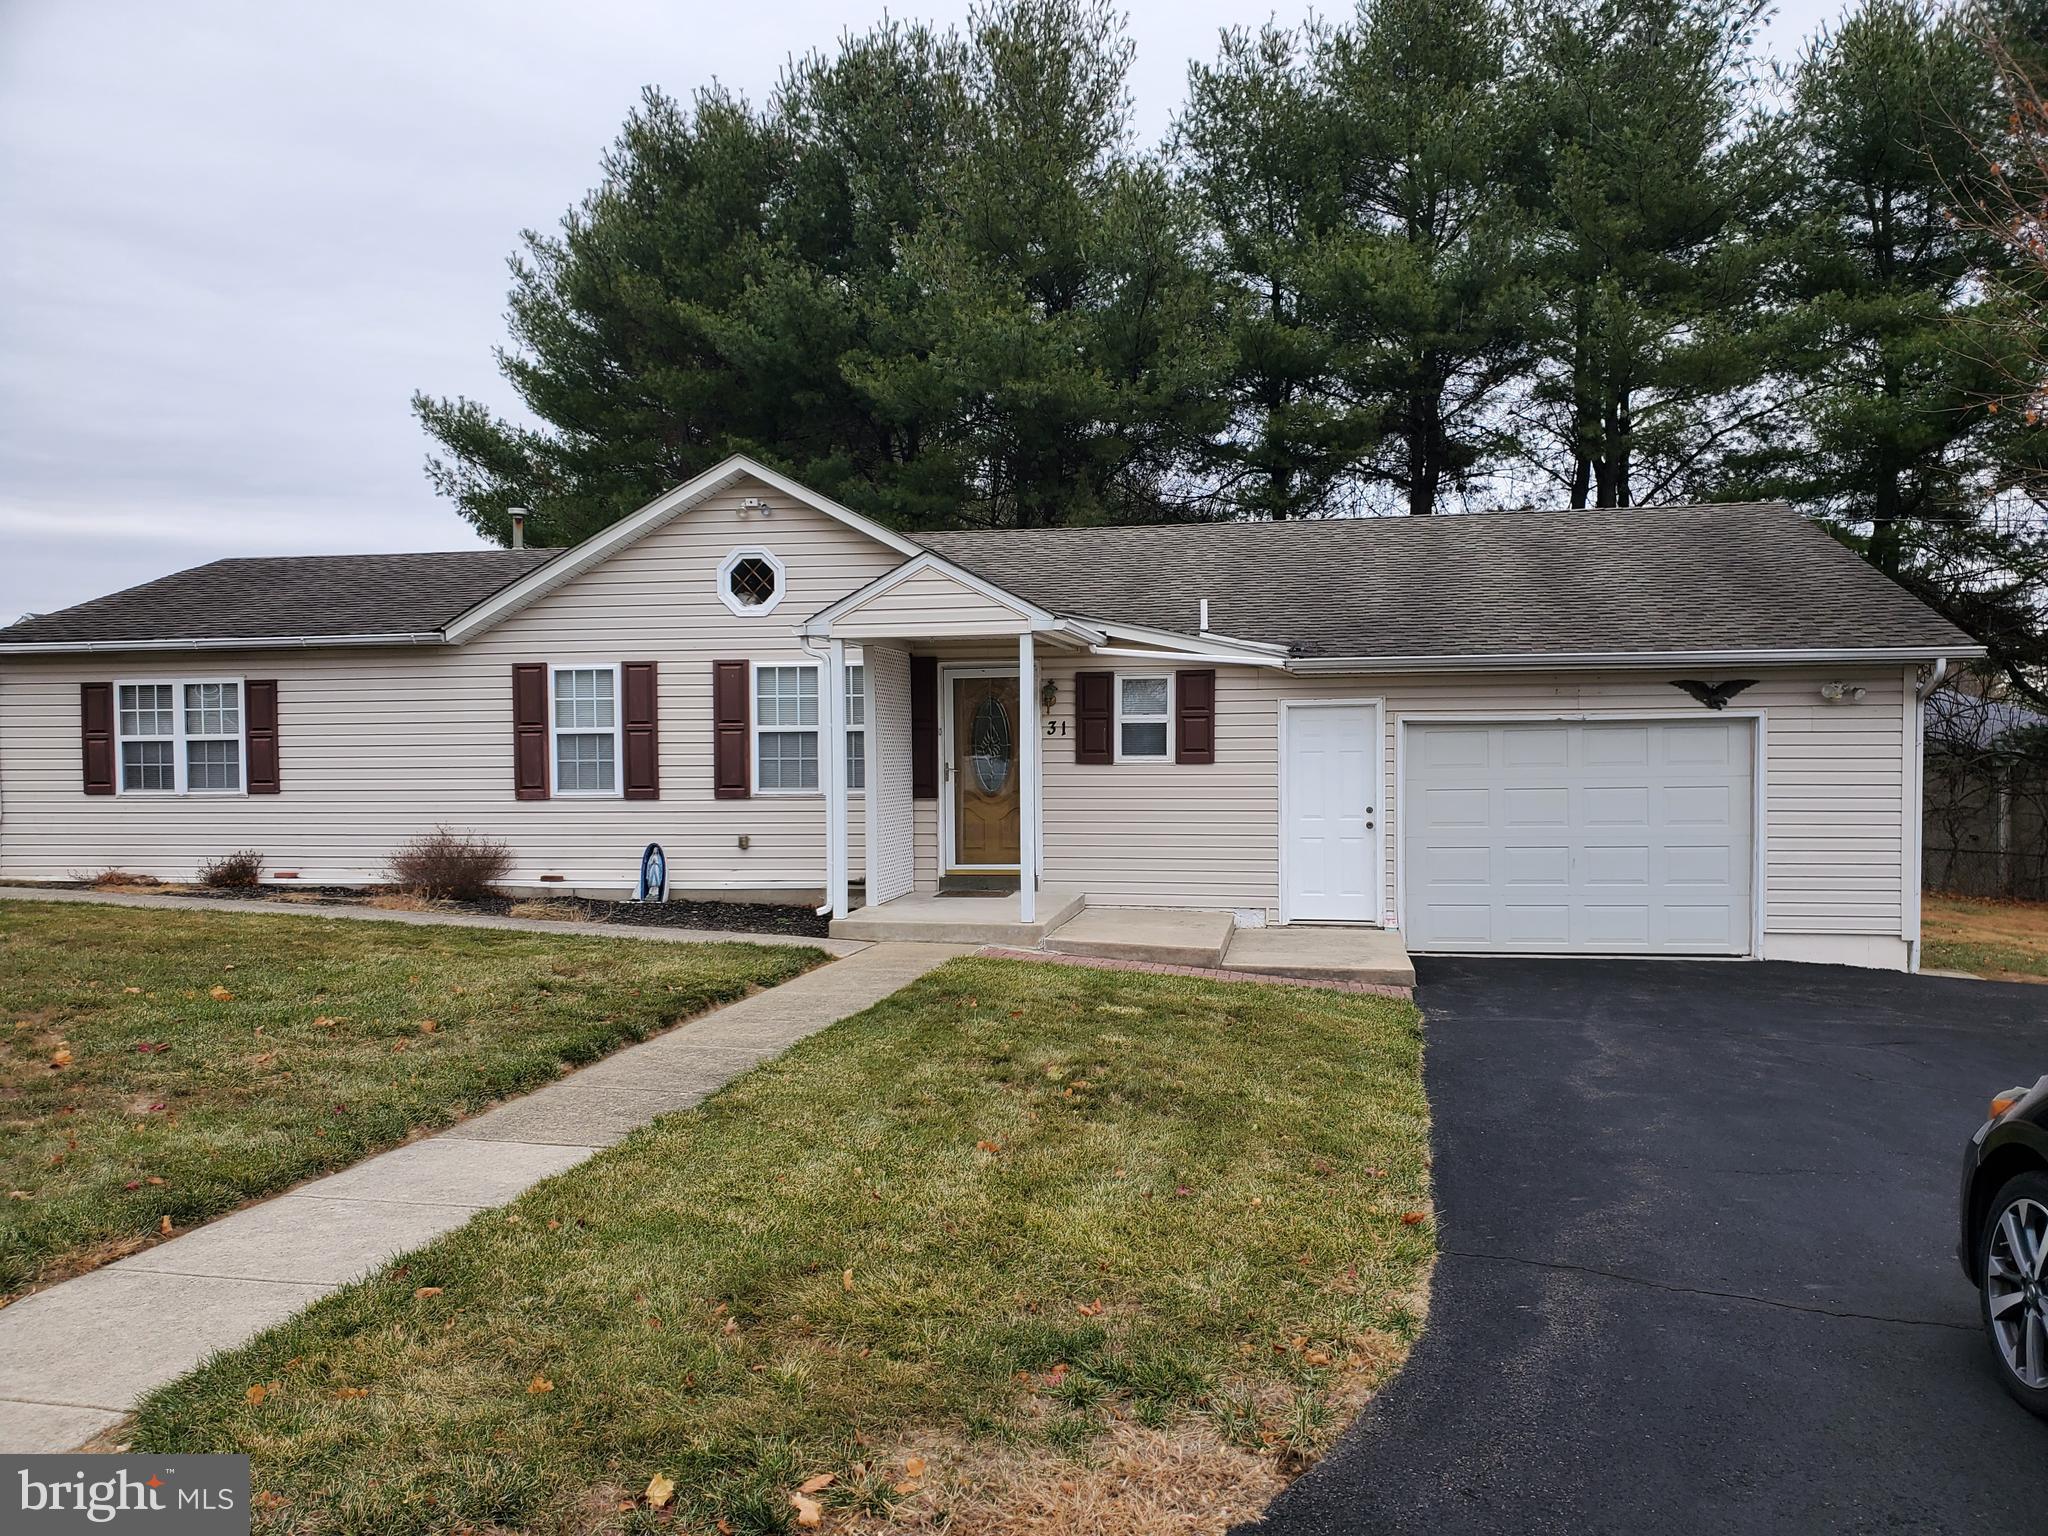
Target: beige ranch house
1663,731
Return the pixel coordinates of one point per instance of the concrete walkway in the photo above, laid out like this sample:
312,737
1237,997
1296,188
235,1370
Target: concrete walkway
421,919
74,1358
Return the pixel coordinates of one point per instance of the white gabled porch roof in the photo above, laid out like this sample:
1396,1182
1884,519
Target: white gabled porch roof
930,598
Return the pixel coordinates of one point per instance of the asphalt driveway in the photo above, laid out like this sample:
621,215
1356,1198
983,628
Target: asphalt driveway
1698,1274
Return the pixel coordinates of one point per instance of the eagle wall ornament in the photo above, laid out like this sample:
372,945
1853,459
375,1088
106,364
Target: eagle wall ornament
1714,695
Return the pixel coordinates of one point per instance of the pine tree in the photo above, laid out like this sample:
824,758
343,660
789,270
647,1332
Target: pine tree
1254,146
1887,111
1423,283
1646,188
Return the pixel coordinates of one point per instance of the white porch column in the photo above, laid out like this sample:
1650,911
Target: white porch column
871,795
1027,765
832,776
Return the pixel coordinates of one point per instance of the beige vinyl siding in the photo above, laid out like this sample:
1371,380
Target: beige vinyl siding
929,603
1140,834
378,744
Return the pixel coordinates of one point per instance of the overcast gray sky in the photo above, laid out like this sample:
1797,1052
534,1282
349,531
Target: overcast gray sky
235,237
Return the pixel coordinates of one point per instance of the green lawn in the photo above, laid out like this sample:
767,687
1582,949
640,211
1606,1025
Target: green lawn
1023,1246
168,1066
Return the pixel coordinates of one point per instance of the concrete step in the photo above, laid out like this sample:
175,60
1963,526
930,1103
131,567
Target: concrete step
1375,956
929,918
1153,935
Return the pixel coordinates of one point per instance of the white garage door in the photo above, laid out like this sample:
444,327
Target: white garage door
1621,837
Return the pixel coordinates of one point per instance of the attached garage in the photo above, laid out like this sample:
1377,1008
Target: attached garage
1580,836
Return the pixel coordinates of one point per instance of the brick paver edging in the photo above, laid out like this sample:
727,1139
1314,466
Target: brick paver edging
1200,972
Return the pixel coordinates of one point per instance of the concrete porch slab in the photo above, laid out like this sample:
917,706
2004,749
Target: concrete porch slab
1160,935
926,917
1374,955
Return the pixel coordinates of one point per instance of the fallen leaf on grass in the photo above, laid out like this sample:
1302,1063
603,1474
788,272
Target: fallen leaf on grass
538,1385
164,1226
660,1489
1413,1218
809,1513
846,1280
351,1392
428,1026
914,1467
1090,1308
61,1057
256,1394
219,993
817,1484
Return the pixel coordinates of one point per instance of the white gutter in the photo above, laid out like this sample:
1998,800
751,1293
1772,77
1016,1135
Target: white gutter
1176,658
1538,661
1933,678
215,643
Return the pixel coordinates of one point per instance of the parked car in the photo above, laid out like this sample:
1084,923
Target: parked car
2005,1237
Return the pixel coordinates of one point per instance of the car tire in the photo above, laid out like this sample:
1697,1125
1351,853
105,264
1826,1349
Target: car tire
2025,1201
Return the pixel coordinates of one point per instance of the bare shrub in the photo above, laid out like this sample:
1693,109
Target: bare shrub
241,870
444,865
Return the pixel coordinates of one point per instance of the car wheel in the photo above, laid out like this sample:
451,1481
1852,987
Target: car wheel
2012,1256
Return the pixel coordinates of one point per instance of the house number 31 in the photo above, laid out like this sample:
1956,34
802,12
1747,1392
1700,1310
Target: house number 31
1055,727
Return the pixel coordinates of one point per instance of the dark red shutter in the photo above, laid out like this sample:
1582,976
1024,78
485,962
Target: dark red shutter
924,728
731,752
96,731
529,730
1094,717
642,731
260,718
1194,717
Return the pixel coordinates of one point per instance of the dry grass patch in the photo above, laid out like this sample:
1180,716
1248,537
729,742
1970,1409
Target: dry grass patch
550,911
168,1066
1021,1248
2002,940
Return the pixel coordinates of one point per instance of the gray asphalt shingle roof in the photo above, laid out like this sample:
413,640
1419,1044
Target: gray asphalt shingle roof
297,596
1752,576
1745,576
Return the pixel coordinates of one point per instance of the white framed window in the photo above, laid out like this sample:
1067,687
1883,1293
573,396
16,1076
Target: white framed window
856,727
750,581
583,722
1144,717
179,737
785,730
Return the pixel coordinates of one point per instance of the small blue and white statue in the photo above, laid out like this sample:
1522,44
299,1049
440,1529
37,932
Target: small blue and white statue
653,875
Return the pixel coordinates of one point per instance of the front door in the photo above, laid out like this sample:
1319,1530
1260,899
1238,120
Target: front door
982,723
1330,838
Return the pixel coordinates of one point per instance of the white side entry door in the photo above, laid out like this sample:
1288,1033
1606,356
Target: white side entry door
1331,784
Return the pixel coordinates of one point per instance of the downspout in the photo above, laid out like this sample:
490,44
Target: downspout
1916,808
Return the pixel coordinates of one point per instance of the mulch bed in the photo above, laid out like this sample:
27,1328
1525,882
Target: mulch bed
727,916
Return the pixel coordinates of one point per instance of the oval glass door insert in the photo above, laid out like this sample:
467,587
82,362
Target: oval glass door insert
994,746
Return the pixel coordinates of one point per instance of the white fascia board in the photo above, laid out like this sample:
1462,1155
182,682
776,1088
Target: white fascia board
1174,658
628,530
819,625
216,643
1573,660
1205,644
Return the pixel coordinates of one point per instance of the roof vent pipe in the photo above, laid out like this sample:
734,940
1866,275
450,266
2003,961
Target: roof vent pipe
519,527
1205,617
